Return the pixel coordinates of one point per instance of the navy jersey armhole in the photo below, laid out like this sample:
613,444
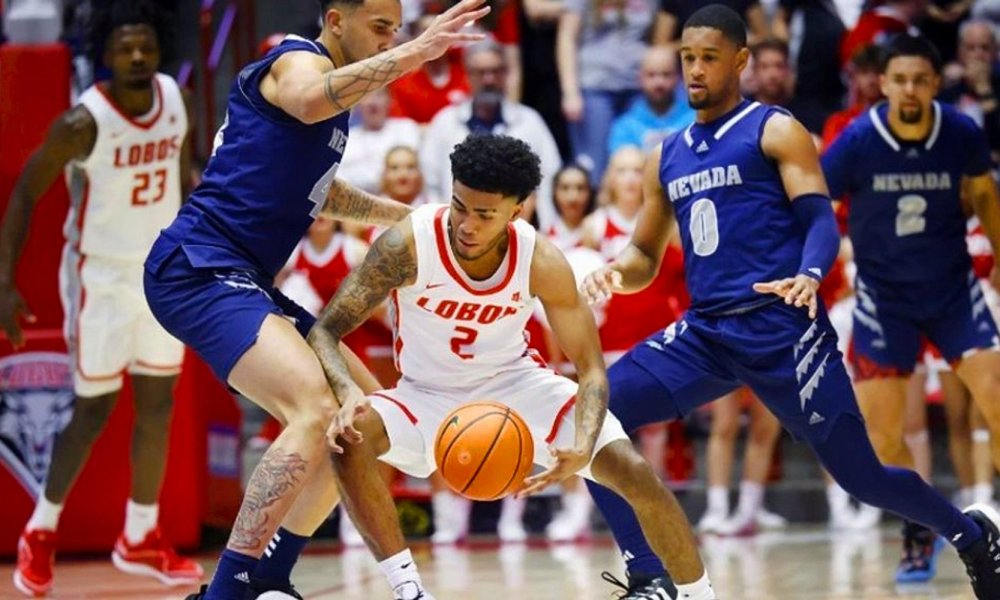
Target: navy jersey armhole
768,113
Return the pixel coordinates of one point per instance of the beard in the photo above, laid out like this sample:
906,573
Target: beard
911,116
704,102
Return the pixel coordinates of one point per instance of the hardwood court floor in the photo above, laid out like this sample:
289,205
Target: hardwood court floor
802,564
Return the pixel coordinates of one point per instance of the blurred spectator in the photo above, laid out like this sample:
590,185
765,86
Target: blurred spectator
975,83
599,47
487,111
657,113
942,24
877,24
864,90
372,139
574,200
813,30
420,94
503,26
541,76
772,73
673,14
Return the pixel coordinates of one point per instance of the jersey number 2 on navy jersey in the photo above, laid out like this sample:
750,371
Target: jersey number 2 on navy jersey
910,218
704,227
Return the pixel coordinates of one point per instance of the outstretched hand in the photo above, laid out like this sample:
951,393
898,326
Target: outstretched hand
446,29
569,461
799,290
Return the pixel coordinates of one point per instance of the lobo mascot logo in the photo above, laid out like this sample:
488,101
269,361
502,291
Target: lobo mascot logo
36,402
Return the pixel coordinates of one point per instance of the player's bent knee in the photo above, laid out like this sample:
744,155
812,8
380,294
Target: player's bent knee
92,413
619,467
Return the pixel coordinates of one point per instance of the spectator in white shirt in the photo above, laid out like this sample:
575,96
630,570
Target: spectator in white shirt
487,112
371,141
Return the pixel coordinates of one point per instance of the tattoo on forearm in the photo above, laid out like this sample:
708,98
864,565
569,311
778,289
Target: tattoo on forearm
346,202
275,476
388,265
591,407
345,89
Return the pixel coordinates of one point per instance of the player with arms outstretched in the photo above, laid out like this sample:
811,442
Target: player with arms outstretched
209,278
758,232
463,279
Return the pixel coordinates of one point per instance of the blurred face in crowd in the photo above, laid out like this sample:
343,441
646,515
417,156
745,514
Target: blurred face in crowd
133,55
401,179
321,229
712,65
487,71
977,44
364,30
374,110
658,77
572,193
865,82
624,178
773,75
910,84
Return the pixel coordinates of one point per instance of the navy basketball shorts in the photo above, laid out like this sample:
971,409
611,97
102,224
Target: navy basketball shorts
889,332
789,360
217,311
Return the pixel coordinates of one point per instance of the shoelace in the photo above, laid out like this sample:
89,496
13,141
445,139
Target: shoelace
645,590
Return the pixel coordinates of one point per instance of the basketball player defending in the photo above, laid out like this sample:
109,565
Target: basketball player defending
905,164
125,144
759,234
209,278
462,280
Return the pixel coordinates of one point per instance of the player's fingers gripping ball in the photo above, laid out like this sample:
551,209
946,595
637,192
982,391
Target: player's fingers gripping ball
484,450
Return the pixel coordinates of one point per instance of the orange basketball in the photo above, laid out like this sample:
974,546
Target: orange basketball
484,450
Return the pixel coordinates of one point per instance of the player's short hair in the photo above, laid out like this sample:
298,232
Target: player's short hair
769,45
497,164
325,5
868,58
905,44
723,18
110,16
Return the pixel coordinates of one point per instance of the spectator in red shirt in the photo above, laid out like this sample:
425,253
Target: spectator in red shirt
863,91
877,24
419,95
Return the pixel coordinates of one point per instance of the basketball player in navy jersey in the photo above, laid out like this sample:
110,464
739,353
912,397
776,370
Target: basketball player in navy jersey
758,235
209,278
905,165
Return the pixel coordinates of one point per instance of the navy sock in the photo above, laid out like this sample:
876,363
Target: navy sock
639,557
849,457
231,576
280,556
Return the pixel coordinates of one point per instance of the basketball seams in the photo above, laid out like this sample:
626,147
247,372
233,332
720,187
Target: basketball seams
486,455
520,451
451,444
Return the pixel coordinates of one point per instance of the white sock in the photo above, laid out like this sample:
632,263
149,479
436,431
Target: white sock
836,497
400,569
512,509
699,590
578,503
751,498
140,519
444,516
718,499
982,493
45,516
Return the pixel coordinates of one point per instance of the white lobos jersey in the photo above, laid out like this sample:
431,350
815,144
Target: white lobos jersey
449,330
128,188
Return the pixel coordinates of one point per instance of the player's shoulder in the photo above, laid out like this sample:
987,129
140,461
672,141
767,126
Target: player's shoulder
954,119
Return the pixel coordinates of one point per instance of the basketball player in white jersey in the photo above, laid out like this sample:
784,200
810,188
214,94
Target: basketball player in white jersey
463,279
124,148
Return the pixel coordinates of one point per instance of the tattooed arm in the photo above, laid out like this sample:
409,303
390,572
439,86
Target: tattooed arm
312,88
348,203
573,325
391,263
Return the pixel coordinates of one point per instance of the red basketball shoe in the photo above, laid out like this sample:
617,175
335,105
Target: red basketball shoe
154,557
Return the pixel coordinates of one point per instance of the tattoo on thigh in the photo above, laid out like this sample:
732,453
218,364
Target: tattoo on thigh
276,474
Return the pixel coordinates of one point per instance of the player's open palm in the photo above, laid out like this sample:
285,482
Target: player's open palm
599,285
353,406
569,461
446,30
12,310
800,290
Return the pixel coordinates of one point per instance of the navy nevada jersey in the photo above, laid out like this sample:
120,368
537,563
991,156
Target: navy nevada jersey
267,178
906,220
736,221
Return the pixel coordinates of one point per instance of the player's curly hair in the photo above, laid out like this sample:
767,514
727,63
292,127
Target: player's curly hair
496,164
109,16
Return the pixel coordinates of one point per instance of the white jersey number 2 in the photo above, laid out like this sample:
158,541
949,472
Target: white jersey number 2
704,227
910,218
